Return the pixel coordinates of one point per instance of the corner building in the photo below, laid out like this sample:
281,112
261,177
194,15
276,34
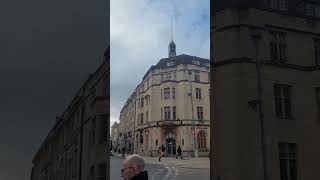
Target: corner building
172,98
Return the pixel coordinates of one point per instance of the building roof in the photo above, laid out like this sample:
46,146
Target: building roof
177,60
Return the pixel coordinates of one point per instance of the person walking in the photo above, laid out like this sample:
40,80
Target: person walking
160,153
133,168
163,150
123,152
179,152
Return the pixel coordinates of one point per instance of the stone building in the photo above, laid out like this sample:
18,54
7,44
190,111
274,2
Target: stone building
171,101
75,148
266,106
115,136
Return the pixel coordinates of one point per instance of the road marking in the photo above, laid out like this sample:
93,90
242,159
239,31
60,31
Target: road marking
154,175
176,173
167,175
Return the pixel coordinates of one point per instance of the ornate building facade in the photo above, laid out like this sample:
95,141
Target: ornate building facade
169,107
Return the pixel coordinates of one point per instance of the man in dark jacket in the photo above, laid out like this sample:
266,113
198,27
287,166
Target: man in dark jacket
133,168
179,153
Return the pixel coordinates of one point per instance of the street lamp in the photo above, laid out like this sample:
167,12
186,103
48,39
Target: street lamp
193,123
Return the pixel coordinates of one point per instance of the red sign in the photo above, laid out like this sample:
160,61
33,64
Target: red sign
192,130
146,132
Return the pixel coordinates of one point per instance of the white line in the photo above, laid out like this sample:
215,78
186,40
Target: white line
167,175
154,175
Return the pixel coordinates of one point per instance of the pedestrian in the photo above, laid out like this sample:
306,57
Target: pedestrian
160,153
123,152
163,150
133,168
179,152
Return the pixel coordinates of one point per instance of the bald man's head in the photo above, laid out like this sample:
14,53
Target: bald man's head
137,161
132,166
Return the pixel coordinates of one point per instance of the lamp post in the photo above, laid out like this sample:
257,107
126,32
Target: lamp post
193,123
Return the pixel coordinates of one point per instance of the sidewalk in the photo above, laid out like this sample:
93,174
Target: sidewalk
190,163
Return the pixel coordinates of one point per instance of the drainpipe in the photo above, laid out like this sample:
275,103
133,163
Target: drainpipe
256,36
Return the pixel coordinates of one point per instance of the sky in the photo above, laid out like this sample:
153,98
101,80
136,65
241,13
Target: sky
140,32
47,50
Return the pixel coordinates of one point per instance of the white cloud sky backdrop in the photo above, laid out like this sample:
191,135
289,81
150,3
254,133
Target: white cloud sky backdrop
140,35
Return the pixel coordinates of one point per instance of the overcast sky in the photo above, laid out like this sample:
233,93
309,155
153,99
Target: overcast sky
47,50
140,35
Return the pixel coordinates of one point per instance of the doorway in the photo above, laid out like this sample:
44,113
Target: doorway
170,144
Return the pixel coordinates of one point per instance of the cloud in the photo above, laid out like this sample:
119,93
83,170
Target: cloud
140,34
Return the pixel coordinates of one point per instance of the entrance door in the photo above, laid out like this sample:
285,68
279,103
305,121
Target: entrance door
170,144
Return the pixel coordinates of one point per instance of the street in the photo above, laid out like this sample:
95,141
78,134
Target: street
166,170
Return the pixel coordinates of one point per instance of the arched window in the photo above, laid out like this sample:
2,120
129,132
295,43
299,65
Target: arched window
170,135
202,140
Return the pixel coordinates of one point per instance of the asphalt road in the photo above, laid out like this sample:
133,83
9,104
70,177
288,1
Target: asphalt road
161,172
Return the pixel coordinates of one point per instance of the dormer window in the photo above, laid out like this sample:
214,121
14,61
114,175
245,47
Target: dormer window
196,62
280,5
169,64
312,10
309,8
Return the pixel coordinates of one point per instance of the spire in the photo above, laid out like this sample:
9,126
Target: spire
172,45
171,30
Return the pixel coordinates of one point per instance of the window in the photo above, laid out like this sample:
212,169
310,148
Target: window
147,83
103,129
202,140
207,64
282,101
175,76
198,93
312,10
317,51
170,64
168,76
182,142
174,113
196,76
173,93
162,77
93,132
142,99
147,117
141,137
141,119
281,5
102,171
167,113
166,93
278,47
200,113
208,76
138,119
156,142
318,102
287,158
196,62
